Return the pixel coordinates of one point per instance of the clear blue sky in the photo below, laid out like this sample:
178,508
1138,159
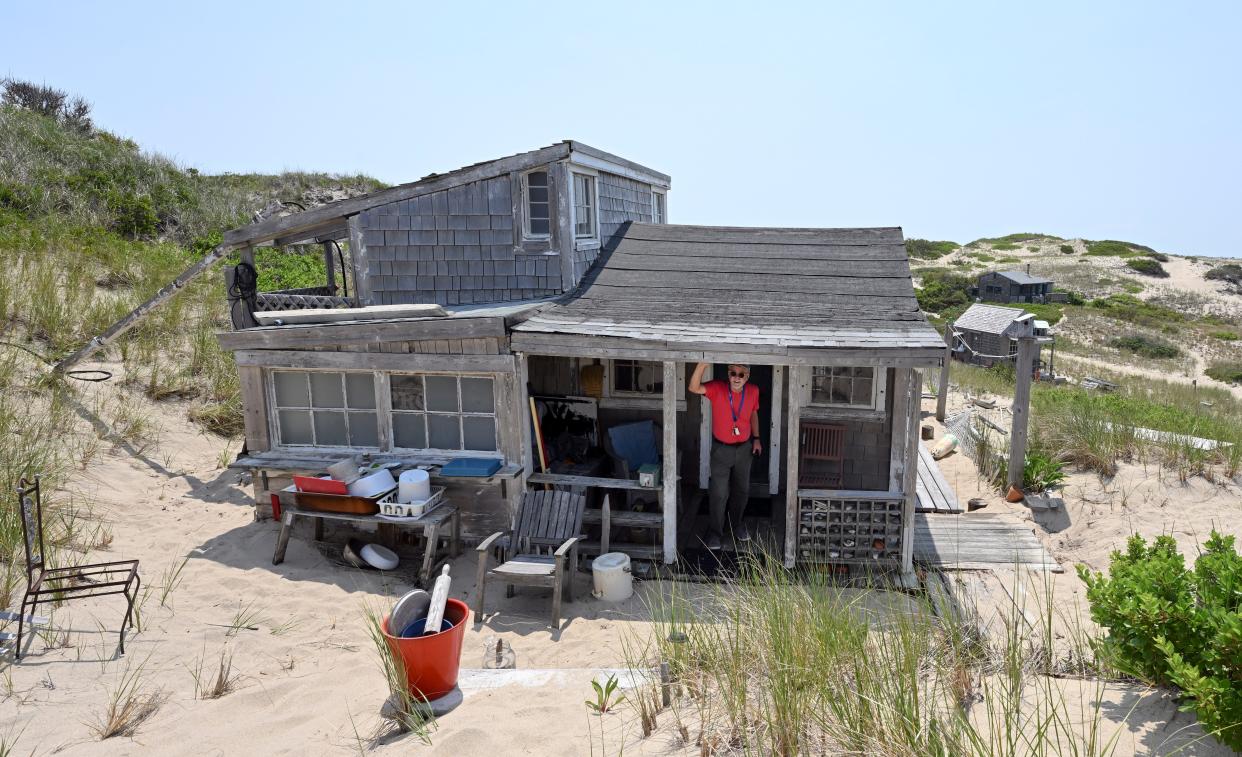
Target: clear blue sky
954,120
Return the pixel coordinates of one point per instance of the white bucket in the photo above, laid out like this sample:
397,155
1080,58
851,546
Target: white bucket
414,485
613,581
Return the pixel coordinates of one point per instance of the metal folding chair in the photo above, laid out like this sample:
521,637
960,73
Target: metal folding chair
822,445
46,585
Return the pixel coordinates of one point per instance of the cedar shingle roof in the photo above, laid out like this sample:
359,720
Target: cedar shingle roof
711,286
987,319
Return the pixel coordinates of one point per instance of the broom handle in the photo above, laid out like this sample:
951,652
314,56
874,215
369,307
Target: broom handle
543,455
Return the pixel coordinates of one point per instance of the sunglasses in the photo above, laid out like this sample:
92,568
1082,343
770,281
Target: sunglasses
738,374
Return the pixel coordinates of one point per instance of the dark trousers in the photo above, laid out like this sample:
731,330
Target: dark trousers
730,484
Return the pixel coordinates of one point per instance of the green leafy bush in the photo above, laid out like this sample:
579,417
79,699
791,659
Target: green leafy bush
942,290
1041,471
926,249
1071,297
1225,336
1105,247
1145,346
1230,272
1228,372
1157,256
1147,267
1177,627
1067,249
1128,308
1014,239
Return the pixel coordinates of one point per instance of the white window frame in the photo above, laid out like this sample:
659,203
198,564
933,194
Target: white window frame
384,412
274,410
460,414
879,390
526,232
574,173
658,196
615,399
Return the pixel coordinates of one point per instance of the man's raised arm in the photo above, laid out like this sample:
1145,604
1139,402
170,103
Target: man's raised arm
696,379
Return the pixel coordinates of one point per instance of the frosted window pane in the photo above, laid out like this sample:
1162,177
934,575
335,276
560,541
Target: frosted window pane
444,431
295,427
291,389
407,392
442,393
360,388
363,430
476,395
330,429
326,390
480,433
408,431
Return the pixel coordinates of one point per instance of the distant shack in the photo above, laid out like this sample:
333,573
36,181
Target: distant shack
987,334
1015,287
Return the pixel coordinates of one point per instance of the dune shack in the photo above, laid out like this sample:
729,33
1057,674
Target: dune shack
539,312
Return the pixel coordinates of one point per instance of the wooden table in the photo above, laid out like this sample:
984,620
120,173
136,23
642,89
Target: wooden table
431,524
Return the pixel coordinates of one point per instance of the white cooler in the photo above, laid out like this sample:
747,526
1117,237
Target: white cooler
613,581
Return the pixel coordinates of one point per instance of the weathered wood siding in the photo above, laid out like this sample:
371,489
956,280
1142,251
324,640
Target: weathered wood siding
620,199
452,247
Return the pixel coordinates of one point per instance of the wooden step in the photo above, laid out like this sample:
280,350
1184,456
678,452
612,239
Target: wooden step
631,518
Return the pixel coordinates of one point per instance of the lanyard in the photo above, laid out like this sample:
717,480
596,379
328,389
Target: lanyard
741,405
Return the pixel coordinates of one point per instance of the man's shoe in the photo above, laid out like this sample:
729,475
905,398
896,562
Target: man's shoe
713,542
742,533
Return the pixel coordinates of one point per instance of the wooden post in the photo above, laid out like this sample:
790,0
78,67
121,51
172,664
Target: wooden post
1021,401
705,436
898,423
909,480
942,391
799,382
670,462
358,260
329,267
522,395
774,437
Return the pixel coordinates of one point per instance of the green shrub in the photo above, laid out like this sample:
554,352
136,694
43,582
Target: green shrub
926,249
1145,346
1004,246
1014,239
1157,256
1120,249
1177,627
1228,372
942,290
1051,312
1147,267
1067,249
1230,272
1224,336
1041,471
1128,308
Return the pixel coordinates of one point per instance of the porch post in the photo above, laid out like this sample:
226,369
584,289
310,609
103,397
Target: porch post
774,437
670,462
910,479
942,391
330,268
705,436
522,395
799,386
899,421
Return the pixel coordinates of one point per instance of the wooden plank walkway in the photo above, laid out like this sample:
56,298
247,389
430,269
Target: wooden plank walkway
933,493
978,541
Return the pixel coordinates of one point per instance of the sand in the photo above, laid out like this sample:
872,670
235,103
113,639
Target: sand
307,677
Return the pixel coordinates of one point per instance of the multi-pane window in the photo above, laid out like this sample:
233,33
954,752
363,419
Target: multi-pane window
637,377
659,211
584,205
325,409
538,205
443,412
844,387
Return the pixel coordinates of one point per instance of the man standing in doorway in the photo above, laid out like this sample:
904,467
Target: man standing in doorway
735,442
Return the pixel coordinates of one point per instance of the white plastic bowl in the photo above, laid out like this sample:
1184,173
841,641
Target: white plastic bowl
380,558
373,485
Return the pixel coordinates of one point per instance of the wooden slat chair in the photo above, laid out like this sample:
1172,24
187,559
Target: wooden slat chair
822,443
46,585
549,525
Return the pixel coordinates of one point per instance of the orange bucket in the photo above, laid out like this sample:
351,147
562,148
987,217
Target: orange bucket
431,662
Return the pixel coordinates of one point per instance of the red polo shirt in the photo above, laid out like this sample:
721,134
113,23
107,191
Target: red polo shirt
744,404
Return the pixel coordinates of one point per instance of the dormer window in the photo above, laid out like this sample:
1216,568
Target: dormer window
538,205
659,210
584,206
